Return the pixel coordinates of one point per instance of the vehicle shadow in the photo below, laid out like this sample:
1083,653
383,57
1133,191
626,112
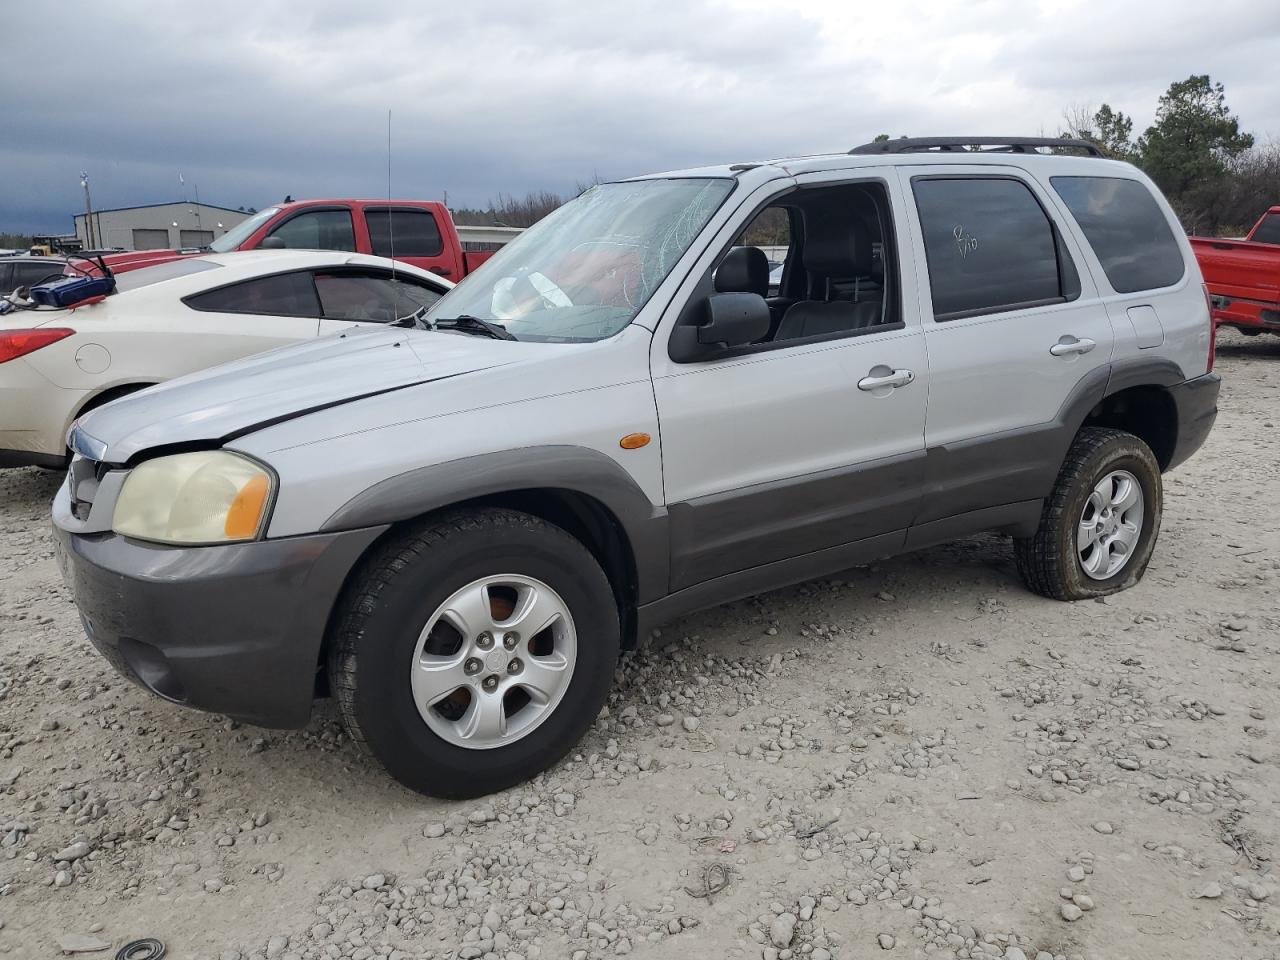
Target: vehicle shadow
30,488
1258,347
322,759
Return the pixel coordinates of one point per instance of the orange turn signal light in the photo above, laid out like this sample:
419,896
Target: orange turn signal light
634,441
245,516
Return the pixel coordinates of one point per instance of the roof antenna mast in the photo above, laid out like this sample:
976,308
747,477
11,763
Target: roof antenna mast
391,230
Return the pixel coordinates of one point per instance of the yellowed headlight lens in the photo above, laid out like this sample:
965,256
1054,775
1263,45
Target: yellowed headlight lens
211,496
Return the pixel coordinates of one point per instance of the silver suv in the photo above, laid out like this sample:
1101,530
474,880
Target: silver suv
455,528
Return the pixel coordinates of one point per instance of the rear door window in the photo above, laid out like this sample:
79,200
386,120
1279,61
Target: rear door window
283,295
318,230
1269,230
990,247
406,233
1127,229
370,298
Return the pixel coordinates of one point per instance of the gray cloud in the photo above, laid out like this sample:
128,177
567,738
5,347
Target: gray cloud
252,100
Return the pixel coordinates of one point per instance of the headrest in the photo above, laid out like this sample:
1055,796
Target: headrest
837,246
744,270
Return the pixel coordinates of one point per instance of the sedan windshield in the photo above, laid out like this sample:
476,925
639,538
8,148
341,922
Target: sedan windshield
583,272
242,231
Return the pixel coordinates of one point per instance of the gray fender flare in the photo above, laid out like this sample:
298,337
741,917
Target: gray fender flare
577,469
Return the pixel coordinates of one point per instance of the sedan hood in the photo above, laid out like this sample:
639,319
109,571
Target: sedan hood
234,399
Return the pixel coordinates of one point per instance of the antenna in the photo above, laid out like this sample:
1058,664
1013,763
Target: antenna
391,230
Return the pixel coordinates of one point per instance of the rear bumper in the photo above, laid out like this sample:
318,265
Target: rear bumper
233,629
1247,315
33,416
1197,405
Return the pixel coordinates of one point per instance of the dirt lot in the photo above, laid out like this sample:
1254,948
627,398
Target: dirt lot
917,758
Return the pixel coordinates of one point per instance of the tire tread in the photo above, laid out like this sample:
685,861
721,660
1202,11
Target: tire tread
1039,558
381,569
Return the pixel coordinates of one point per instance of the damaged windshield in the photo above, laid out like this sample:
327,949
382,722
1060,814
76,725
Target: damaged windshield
584,271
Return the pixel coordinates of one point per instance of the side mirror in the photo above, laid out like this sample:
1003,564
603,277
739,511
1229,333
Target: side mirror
734,320
272,243
729,320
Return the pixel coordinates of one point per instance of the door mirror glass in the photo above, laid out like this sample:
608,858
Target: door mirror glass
272,243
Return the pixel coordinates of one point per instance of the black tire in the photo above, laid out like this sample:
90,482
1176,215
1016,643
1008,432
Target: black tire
1048,562
385,607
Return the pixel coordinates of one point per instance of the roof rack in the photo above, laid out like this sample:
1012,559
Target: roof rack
976,145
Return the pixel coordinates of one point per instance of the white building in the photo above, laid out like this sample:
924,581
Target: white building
158,226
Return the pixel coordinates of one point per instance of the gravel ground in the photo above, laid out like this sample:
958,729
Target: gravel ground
914,758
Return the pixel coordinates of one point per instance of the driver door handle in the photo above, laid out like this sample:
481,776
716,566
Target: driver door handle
898,378
1069,345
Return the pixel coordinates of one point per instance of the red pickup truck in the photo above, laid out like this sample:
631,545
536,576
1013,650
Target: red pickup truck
1243,276
420,232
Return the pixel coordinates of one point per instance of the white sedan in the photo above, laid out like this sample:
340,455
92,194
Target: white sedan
179,317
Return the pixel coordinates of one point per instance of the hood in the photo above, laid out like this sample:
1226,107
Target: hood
231,400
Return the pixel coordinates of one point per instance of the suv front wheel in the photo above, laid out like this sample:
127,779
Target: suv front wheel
474,650
1100,523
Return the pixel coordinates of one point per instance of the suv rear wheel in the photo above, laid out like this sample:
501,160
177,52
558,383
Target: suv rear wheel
474,650
1100,524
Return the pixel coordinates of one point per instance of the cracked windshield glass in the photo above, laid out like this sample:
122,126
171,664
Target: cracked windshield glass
583,272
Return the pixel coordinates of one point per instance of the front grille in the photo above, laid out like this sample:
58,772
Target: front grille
84,476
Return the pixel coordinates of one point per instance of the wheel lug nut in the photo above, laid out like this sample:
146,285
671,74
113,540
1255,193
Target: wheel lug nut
514,667
484,641
509,640
472,666
490,683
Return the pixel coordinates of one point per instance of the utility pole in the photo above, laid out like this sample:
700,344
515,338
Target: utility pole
88,212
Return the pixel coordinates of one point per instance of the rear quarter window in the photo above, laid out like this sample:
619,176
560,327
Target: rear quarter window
1127,230
281,295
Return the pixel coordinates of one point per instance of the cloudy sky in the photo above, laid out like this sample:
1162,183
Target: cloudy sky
253,99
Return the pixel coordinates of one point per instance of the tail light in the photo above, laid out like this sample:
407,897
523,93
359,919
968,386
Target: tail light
1213,327
18,343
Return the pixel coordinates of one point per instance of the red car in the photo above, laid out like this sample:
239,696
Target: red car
420,232
1243,276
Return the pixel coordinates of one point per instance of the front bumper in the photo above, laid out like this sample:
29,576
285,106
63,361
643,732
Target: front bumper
235,629
1196,401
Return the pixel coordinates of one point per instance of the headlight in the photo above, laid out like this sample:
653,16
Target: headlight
208,497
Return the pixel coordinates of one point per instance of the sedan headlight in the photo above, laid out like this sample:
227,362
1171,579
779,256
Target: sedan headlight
212,496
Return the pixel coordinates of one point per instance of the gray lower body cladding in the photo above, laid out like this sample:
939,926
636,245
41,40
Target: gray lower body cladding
234,629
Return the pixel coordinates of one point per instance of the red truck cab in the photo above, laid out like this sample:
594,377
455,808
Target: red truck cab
1243,276
420,232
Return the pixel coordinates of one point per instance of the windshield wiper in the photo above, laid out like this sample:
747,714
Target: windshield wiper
469,324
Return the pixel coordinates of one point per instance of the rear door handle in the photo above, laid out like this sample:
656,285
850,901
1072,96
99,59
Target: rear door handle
896,378
1069,345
